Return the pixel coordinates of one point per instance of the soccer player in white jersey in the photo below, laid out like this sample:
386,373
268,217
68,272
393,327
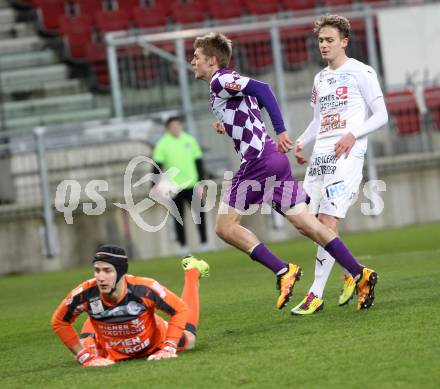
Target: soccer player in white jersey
348,105
265,173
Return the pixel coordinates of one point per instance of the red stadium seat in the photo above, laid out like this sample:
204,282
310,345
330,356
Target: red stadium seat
128,5
153,16
432,101
225,9
294,43
77,33
189,12
335,3
403,107
49,13
112,21
262,7
299,5
89,7
257,51
96,56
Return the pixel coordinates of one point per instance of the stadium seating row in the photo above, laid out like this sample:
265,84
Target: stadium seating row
157,13
82,24
405,112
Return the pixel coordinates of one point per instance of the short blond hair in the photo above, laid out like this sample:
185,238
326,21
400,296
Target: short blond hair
215,44
336,21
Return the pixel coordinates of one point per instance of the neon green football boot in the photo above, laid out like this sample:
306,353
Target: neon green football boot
309,305
191,262
347,291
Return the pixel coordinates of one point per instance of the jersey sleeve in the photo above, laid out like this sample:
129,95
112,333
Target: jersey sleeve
314,95
229,85
66,313
369,85
157,296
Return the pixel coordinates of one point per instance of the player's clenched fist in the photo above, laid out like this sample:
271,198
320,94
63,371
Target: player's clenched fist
86,359
219,127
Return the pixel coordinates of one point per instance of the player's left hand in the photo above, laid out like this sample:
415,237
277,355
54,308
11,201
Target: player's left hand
285,144
344,145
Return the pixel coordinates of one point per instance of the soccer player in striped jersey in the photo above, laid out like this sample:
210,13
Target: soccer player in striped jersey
348,105
265,173
122,323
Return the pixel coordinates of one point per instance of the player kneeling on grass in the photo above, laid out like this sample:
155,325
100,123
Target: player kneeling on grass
122,323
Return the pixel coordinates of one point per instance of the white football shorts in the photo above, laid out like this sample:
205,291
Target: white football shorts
333,184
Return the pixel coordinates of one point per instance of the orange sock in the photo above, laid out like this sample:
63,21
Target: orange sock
190,295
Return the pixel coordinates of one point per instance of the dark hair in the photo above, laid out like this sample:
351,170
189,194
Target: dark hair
215,44
172,119
339,22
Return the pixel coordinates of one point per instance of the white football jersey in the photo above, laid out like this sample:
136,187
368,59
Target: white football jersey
343,97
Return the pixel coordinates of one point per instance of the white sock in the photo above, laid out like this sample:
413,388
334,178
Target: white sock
323,267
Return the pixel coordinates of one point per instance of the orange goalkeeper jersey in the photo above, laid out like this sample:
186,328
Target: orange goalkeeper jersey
128,328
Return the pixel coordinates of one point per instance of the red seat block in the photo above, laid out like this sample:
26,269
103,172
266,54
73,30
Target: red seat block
225,9
333,3
89,7
49,14
432,101
257,50
294,43
262,7
403,107
77,32
153,16
112,21
299,5
96,56
189,12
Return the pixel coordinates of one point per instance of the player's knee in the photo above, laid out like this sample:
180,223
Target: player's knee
222,230
328,221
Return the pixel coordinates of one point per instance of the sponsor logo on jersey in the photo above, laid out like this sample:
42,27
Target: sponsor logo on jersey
331,101
134,308
96,306
344,77
342,92
331,81
332,122
232,86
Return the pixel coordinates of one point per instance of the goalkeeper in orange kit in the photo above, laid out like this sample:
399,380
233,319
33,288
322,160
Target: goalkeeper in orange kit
122,322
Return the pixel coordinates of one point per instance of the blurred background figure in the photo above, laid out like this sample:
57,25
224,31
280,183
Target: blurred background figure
178,149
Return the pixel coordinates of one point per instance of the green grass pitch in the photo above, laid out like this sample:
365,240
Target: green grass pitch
243,340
